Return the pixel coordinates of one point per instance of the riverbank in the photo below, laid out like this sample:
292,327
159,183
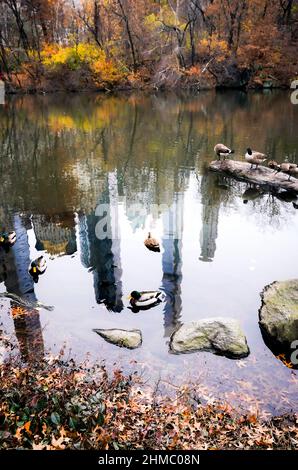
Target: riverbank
57,404
185,81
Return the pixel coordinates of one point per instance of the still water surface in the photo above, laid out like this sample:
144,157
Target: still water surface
62,156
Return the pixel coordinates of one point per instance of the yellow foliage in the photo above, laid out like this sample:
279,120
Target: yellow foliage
212,45
151,21
72,56
82,55
107,71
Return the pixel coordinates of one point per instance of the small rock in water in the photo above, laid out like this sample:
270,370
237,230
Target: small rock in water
222,336
130,339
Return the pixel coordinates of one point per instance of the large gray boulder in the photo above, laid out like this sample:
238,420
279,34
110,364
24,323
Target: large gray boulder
130,339
279,311
222,336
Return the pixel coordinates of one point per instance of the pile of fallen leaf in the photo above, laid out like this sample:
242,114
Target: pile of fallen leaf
55,404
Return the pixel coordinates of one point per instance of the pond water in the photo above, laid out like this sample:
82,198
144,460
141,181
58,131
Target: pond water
64,156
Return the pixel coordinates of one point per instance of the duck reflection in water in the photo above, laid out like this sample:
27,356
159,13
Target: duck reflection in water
252,193
7,240
37,267
18,283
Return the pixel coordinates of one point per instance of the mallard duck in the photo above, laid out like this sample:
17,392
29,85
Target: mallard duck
221,149
37,267
145,299
151,243
274,165
8,238
254,158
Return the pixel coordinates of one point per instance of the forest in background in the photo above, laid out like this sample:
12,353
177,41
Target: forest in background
75,45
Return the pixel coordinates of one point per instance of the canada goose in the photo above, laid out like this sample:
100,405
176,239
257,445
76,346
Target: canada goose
293,171
37,267
145,299
8,238
286,196
250,194
290,169
221,149
254,158
151,243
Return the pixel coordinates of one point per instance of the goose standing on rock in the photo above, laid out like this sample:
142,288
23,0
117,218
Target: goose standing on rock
290,169
221,149
151,243
254,158
37,268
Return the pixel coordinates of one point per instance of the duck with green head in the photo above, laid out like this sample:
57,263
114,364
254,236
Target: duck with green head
8,238
145,299
37,268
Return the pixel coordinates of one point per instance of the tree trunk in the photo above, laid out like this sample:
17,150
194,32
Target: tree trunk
263,175
129,34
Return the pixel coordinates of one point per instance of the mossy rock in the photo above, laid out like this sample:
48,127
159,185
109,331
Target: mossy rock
130,339
279,311
222,336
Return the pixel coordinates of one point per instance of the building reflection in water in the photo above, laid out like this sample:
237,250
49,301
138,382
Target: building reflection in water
172,263
18,281
210,216
103,257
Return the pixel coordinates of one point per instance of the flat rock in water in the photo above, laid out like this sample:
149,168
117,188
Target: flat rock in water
222,336
130,339
279,311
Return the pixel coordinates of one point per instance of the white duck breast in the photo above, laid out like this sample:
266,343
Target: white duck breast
38,266
255,158
12,237
42,265
148,298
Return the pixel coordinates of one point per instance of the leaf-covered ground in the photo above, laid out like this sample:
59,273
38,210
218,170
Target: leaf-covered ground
59,405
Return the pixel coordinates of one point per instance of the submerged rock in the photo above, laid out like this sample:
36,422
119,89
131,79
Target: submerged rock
279,311
130,339
222,336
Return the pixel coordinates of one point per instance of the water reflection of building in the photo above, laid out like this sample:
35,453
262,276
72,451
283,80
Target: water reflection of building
172,263
210,216
55,234
18,281
102,255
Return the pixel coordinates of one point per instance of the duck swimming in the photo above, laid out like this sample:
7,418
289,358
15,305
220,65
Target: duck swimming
37,268
254,158
145,299
221,149
8,238
151,243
